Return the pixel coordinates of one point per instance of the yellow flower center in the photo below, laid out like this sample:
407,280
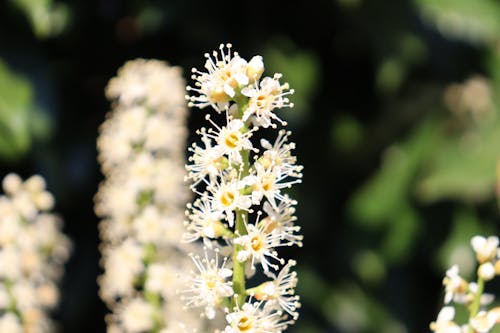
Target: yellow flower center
218,94
231,140
211,281
227,198
244,324
256,243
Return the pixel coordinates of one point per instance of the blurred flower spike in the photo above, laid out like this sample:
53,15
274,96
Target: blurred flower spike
142,200
32,252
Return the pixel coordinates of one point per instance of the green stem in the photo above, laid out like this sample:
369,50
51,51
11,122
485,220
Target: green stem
239,267
474,308
240,229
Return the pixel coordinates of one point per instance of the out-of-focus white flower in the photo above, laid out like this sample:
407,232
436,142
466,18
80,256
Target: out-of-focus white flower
486,271
137,316
455,286
484,321
444,322
486,248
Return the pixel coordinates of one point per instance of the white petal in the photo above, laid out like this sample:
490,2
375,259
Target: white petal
477,243
447,313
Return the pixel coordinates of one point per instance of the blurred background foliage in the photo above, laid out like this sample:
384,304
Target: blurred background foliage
396,121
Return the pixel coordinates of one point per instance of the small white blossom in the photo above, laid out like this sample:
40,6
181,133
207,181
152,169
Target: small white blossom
226,198
258,246
484,321
204,221
255,318
137,316
455,286
209,285
225,73
281,290
486,271
444,322
264,98
486,248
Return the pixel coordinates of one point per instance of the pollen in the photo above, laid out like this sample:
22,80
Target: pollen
227,198
245,324
231,140
257,243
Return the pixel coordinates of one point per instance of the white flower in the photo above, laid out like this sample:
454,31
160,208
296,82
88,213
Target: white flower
225,73
205,161
208,286
226,198
10,324
253,318
280,290
255,68
258,245
12,183
269,183
486,271
444,322
123,264
484,321
485,248
281,219
204,221
455,286
161,278
264,98
230,139
145,82
149,225
137,316
279,155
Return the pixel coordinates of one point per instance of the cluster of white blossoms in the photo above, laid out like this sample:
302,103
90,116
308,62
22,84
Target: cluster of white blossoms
142,199
242,213
32,254
471,294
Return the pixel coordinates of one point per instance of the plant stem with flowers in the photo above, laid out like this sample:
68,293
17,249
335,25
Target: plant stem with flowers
472,294
241,212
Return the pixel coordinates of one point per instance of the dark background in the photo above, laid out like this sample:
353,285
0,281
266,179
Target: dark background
387,197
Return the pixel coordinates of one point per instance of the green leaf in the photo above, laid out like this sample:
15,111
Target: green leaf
375,203
463,168
401,235
47,19
474,21
15,104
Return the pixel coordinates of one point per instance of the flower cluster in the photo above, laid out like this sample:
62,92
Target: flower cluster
141,150
32,254
242,213
471,294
